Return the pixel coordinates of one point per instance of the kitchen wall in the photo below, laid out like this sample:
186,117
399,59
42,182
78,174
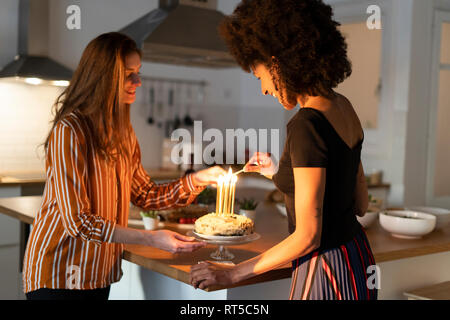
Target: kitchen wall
24,124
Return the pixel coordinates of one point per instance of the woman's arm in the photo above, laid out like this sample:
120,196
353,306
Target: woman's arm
66,155
306,238
148,195
161,239
361,193
179,193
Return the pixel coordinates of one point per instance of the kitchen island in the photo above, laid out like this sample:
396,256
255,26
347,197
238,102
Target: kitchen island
155,274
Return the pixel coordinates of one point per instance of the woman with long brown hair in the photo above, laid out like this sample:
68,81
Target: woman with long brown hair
94,170
294,47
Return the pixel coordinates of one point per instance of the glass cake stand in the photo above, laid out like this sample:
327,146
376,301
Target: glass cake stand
222,253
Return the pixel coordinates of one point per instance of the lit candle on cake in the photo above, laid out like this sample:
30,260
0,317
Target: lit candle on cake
226,188
219,194
233,191
227,194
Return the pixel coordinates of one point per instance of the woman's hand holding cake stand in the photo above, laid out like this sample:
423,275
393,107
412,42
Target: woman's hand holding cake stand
206,273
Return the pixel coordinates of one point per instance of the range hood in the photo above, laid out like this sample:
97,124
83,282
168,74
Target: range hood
31,63
182,32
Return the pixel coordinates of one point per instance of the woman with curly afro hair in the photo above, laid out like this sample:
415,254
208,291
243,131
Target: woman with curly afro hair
294,47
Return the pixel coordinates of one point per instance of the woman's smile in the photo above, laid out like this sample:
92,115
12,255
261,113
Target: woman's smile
132,77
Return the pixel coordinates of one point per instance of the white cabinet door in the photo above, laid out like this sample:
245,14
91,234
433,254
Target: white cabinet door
9,273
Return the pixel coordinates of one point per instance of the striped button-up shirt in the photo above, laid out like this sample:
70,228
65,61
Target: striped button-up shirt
84,198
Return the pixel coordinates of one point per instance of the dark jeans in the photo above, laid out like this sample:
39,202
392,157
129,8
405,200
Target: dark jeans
66,294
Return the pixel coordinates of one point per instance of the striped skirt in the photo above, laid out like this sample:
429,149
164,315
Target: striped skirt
334,274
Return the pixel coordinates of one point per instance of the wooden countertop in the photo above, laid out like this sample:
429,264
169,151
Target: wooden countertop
11,179
270,224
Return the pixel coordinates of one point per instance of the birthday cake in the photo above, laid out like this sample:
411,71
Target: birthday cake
214,224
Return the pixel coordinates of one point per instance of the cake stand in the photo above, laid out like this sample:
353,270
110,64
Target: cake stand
222,253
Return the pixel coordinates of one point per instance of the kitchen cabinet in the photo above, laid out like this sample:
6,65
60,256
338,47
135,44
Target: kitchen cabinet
10,276
10,232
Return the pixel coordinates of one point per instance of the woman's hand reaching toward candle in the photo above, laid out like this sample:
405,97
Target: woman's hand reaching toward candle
263,163
208,176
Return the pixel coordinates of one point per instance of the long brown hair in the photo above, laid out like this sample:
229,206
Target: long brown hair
95,91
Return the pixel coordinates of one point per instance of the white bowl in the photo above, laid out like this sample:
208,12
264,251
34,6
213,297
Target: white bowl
407,224
442,215
369,218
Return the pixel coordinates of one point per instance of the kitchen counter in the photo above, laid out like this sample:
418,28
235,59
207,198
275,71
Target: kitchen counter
22,178
25,178
270,224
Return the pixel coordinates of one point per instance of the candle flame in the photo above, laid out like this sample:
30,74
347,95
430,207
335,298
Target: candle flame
226,187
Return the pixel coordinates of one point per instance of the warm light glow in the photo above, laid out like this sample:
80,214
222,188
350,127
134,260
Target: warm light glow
34,81
226,188
61,83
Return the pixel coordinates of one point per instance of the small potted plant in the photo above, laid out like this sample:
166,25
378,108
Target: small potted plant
150,219
247,208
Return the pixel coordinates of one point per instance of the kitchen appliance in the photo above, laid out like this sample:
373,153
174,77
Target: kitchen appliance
182,32
31,63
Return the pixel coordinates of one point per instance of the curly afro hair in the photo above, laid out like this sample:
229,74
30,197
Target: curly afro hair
310,52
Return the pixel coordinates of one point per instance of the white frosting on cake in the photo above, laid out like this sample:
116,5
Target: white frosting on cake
214,224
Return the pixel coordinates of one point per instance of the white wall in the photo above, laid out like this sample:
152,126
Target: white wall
24,124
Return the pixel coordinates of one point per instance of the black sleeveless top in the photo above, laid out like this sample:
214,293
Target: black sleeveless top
313,142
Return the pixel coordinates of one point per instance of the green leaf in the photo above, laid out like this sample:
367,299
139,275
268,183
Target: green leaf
149,214
247,204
